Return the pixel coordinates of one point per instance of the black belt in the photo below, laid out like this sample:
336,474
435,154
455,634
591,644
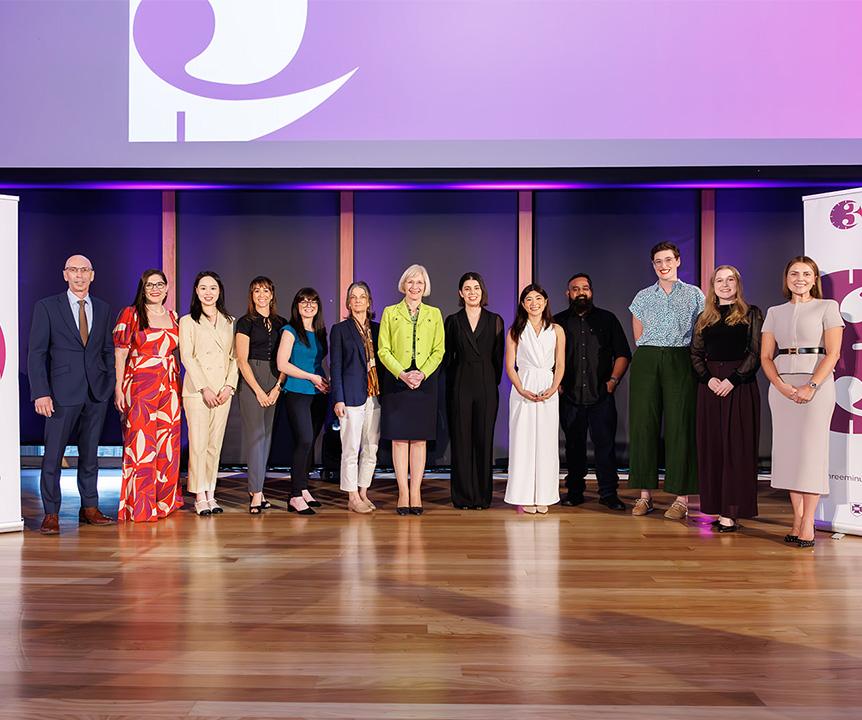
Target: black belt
802,351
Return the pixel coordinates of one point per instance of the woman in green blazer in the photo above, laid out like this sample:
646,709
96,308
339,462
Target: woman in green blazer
411,347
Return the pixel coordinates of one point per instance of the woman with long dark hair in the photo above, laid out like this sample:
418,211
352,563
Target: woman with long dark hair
256,339
148,397
474,367
725,353
801,346
535,361
300,357
206,350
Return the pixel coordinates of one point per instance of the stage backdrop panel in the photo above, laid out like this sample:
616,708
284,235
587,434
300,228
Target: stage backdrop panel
449,233
119,231
758,231
291,237
608,234
10,467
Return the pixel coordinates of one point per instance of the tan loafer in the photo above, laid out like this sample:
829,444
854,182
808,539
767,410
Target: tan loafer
358,507
642,506
677,511
542,509
531,509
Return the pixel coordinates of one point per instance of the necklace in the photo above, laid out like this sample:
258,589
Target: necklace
157,314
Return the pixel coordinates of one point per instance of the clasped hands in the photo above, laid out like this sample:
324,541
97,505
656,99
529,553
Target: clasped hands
412,378
213,400
721,388
539,396
800,395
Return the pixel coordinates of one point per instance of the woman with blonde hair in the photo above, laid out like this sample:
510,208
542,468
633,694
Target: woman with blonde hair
411,348
725,353
800,348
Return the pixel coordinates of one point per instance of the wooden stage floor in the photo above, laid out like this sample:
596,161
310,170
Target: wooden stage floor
585,613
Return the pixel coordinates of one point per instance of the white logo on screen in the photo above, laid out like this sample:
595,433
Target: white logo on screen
252,41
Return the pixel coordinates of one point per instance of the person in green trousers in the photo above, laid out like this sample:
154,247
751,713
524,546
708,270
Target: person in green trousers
663,386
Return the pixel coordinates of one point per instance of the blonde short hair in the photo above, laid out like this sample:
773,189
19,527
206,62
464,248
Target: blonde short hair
410,272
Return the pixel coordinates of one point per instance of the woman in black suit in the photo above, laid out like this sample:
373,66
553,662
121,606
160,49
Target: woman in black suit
355,395
474,360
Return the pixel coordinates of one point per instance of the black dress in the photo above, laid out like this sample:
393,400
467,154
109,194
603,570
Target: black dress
474,366
728,428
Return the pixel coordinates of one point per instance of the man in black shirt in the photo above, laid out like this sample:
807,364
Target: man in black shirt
597,356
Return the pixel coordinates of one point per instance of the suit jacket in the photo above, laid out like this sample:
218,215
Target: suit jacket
395,346
348,365
58,363
207,353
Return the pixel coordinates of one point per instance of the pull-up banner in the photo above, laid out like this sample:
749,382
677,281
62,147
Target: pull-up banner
10,451
833,237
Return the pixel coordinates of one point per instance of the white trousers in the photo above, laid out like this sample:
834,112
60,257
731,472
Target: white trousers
360,436
206,433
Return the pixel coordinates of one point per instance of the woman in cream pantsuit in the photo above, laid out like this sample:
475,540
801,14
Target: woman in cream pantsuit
206,351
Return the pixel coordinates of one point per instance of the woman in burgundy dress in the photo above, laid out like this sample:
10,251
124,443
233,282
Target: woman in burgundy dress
725,353
148,398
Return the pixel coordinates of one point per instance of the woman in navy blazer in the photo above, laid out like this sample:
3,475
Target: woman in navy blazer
355,394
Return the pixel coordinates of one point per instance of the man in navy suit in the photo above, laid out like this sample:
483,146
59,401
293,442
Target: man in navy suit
71,369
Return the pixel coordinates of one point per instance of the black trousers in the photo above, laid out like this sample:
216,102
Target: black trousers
601,420
305,415
472,414
89,418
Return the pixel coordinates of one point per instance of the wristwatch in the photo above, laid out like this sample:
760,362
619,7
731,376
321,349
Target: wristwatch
613,379
812,385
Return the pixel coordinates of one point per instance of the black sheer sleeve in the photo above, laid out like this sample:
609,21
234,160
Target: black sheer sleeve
698,357
499,346
751,364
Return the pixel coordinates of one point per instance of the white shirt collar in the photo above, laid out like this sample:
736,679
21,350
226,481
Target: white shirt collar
73,299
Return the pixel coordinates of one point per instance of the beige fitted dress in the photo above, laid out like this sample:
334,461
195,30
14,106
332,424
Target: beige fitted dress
800,433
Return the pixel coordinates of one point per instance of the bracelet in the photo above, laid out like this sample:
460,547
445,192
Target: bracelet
613,380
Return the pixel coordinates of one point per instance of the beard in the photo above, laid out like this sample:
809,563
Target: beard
581,304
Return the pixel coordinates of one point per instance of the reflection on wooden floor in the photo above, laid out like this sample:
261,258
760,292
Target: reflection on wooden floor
585,613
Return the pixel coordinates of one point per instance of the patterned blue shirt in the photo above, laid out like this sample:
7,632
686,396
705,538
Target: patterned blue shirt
668,318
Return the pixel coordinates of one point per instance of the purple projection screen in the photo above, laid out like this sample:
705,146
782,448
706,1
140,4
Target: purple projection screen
429,83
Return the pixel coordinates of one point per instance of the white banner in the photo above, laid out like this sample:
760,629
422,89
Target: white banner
10,450
833,237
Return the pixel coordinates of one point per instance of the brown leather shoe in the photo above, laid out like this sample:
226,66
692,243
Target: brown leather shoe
50,524
93,516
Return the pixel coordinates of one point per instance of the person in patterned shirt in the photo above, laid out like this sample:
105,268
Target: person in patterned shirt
663,386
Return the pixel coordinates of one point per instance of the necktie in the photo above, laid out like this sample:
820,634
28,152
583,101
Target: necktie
82,321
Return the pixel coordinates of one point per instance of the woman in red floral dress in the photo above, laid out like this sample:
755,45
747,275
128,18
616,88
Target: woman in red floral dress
148,397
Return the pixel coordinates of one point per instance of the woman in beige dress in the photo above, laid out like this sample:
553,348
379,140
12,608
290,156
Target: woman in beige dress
800,346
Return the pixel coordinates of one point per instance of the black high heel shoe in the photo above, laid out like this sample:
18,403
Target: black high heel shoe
402,510
416,510
790,539
306,511
807,543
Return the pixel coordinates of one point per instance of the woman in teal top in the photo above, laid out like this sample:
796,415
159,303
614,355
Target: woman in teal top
410,346
300,358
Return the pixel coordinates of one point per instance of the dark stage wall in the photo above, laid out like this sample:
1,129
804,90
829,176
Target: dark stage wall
294,238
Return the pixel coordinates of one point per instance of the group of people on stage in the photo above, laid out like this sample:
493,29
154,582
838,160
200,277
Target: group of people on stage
693,379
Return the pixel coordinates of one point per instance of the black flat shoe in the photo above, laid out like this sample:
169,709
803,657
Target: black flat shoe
715,523
728,528
402,510
790,539
805,543
612,502
416,510
307,511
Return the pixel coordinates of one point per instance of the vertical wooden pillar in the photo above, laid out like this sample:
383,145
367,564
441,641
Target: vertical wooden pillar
525,239
345,247
169,245
707,237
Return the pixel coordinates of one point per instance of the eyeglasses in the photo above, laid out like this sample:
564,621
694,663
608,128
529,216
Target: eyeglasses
78,270
660,263
156,286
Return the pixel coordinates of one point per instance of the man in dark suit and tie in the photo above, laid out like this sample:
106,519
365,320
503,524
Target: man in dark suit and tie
71,369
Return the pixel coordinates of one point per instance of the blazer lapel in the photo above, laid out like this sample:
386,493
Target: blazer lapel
65,310
464,323
357,339
218,329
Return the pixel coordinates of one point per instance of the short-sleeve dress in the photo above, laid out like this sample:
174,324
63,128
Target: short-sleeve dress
800,432
151,423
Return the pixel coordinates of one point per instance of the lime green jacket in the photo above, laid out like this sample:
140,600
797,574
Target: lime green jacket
395,344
